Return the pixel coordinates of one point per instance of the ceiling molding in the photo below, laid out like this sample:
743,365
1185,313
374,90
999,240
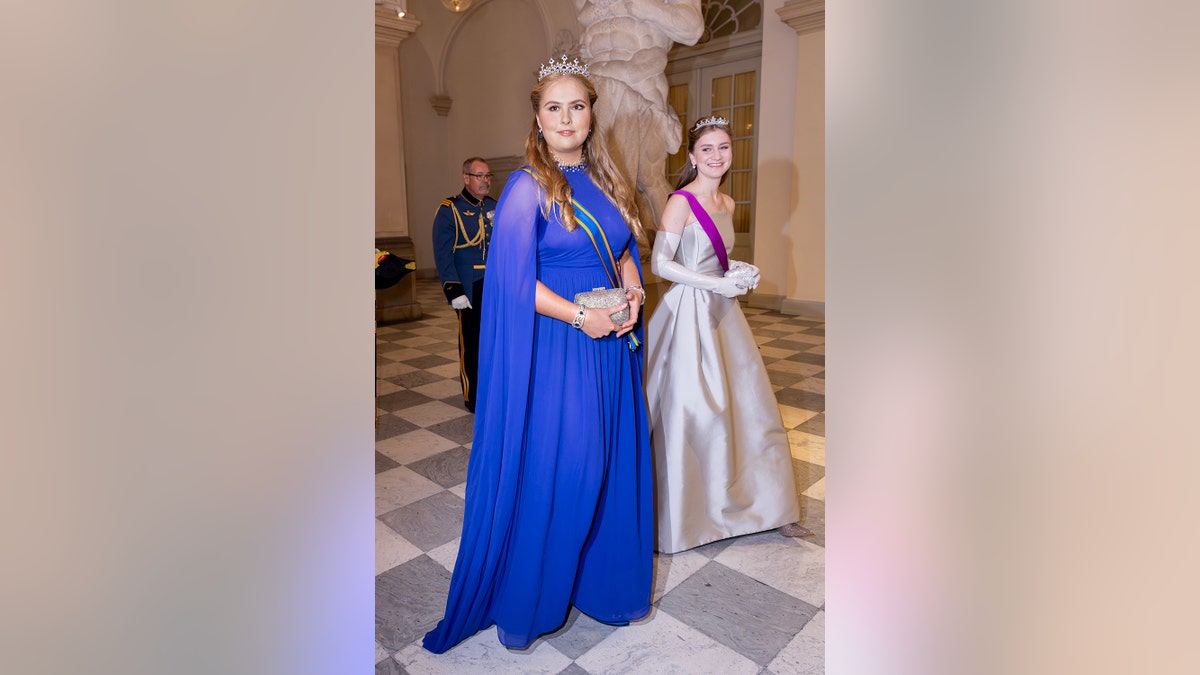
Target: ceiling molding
443,62
803,16
391,30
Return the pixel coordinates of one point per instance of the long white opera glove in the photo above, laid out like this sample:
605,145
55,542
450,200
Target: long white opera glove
461,302
662,263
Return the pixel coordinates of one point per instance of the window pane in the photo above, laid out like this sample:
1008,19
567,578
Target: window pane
741,218
743,85
721,92
729,17
743,161
739,185
743,150
677,96
743,121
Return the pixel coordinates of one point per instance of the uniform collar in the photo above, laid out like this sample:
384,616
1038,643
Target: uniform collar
471,198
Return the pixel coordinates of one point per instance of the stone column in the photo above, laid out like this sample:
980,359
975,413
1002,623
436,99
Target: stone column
391,203
399,302
805,294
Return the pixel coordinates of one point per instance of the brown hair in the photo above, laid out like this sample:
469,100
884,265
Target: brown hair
595,151
690,171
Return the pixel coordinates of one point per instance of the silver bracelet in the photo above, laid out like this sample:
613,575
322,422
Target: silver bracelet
579,317
639,289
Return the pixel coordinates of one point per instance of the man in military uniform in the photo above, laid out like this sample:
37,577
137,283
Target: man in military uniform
462,230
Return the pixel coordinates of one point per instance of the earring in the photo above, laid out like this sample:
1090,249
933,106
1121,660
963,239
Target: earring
693,165
539,132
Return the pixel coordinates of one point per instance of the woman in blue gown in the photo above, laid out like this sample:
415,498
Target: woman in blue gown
559,507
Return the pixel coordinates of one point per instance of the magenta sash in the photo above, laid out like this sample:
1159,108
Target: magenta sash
710,228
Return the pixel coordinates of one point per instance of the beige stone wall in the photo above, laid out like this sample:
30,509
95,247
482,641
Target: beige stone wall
806,288
789,243
391,204
484,62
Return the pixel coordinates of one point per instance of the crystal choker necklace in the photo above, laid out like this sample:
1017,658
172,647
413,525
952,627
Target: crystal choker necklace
572,168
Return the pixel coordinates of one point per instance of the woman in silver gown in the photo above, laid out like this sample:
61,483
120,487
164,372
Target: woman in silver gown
722,460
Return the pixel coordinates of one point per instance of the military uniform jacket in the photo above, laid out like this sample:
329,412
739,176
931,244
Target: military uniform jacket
462,230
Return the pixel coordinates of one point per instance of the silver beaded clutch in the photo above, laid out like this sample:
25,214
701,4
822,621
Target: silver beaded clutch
606,298
744,272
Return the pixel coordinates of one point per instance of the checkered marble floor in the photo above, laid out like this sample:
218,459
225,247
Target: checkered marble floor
752,604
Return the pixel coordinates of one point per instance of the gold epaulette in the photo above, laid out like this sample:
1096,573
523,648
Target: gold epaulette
447,201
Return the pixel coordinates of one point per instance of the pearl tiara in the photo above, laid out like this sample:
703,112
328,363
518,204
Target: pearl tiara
563,68
711,121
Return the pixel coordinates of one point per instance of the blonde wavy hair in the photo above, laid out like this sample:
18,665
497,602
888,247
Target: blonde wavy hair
603,169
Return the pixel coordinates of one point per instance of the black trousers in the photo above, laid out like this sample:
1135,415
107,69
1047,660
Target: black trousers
468,346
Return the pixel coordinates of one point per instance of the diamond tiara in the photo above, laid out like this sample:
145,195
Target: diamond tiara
563,68
711,121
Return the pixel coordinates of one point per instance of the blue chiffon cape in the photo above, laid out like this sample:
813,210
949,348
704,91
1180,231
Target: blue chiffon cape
559,487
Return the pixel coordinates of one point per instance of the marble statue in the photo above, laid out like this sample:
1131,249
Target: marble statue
625,44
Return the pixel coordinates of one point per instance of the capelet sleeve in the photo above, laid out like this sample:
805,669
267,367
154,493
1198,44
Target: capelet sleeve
501,414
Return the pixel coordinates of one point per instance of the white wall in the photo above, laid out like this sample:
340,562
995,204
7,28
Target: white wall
486,61
776,172
789,240
391,207
806,289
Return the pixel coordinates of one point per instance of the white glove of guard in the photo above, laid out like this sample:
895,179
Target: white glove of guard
461,302
662,263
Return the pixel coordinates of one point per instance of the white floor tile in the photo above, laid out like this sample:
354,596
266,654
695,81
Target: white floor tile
795,367
794,417
815,385
446,554
816,490
807,447
380,652
391,549
392,369
429,414
416,341
671,570
399,486
663,645
415,445
404,354
449,370
440,389
483,653
805,654
383,387
794,566
776,352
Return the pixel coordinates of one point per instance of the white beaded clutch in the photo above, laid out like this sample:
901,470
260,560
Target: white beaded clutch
606,298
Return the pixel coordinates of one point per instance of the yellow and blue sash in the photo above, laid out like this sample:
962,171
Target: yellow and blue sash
614,276
588,223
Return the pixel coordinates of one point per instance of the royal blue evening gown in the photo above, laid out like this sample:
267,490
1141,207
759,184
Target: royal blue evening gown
559,507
